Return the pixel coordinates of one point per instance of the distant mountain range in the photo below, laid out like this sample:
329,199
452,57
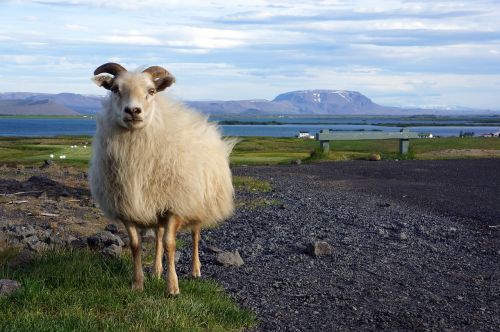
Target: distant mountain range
305,102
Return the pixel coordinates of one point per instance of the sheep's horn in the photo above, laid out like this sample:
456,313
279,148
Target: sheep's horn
157,72
110,68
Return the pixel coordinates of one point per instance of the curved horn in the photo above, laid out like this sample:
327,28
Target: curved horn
110,68
156,72
161,77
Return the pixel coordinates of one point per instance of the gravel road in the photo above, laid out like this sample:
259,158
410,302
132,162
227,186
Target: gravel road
413,247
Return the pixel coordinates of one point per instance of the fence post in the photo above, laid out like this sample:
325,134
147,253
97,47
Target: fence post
404,145
325,145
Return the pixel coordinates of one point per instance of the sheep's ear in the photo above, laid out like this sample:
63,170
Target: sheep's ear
164,82
105,81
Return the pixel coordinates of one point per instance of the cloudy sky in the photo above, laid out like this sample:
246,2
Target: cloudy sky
397,52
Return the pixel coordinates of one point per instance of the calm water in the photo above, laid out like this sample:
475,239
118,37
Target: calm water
54,127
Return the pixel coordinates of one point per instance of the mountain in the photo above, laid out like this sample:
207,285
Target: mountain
76,103
304,102
33,107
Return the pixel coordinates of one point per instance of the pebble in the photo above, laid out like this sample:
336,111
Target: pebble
8,286
228,258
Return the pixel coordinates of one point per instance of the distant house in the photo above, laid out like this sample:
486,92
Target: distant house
496,134
304,134
425,135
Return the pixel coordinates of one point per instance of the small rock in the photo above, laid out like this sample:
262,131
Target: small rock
112,251
65,193
283,206
148,236
375,157
319,248
112,228
21,231
38,246
104,239
403,236
78,243
296,162
228,258
55,241
30,240
8,286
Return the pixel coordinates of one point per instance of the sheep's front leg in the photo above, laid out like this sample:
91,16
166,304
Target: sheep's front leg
170,242
160,232
196,266
135,247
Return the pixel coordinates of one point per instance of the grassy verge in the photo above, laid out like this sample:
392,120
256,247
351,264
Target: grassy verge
249,183
83,291
262,150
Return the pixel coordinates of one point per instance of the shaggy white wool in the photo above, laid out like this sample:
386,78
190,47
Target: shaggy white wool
177,164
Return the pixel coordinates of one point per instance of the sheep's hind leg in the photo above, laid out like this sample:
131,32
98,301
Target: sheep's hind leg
135,246
196,266
160,232
169,240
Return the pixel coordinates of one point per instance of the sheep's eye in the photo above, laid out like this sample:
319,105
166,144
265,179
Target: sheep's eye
151,92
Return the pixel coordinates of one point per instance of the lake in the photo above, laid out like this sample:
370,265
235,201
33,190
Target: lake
290,128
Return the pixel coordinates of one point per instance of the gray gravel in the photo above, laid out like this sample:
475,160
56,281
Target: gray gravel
395,263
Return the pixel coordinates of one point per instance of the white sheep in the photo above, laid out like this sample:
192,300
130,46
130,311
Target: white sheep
158,164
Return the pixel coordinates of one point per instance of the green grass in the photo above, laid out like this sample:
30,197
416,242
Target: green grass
252,150
249,183
83,291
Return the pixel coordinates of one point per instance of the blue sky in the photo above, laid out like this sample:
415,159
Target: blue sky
404,52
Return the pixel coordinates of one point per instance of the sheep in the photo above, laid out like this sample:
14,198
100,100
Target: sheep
157,164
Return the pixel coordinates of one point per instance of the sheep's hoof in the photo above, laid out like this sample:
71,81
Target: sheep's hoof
196,274
173,290
138,286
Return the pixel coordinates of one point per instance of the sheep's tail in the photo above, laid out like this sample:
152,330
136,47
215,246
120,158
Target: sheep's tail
230,142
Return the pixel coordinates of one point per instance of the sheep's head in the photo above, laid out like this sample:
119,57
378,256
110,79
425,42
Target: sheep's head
132,94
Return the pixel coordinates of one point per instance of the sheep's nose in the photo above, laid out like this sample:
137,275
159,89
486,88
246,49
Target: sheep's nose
133,110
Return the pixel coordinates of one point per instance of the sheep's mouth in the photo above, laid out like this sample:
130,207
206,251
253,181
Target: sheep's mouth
132,120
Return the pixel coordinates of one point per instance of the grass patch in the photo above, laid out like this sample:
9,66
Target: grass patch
257,150
248,183
83,291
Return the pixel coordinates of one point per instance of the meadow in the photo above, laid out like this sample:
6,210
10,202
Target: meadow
260,150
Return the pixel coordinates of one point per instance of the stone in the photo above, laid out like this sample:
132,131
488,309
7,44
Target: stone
8,286
296,162
21,231
38,246
112,228
319,248
375,157
55,241
228,258
30,240
403,236
104,239
78,243
113,251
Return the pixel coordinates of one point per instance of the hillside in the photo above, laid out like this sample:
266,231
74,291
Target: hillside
34,107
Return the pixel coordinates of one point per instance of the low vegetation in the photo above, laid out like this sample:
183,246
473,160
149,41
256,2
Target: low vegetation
261,150
83,291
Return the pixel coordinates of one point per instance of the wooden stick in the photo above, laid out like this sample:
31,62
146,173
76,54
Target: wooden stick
49,214
22,192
